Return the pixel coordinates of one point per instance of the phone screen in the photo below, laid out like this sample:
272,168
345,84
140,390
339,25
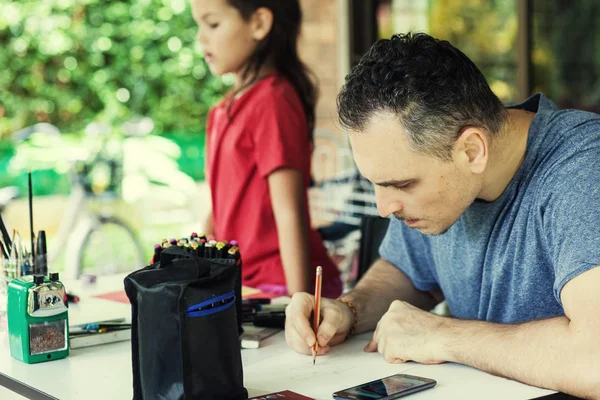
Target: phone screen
392,387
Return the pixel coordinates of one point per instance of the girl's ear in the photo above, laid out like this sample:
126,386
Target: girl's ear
262,22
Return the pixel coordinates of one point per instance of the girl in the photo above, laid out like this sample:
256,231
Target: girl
259,140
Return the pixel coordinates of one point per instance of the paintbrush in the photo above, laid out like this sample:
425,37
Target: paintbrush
5,235
31,215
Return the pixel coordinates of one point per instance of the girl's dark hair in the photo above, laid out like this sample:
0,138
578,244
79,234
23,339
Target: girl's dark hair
280,48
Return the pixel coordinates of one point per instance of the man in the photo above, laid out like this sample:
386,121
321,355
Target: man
496,211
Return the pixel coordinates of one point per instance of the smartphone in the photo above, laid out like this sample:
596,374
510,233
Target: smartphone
389,388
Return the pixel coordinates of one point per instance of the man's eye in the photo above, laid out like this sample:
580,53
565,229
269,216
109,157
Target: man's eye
213,26
405,186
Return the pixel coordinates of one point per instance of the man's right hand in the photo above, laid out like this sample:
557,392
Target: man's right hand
336,321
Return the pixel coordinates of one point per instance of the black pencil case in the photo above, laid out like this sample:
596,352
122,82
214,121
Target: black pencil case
185,329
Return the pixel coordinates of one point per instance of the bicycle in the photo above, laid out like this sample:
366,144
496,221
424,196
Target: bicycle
89,236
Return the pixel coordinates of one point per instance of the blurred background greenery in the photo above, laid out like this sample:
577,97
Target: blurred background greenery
72,61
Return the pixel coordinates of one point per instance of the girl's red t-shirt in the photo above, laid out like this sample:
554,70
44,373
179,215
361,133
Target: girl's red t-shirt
265,129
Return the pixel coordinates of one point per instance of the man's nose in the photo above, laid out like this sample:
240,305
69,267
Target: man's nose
386,204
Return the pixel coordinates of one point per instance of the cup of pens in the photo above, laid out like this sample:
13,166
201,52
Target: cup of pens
20,261
16,257
17,260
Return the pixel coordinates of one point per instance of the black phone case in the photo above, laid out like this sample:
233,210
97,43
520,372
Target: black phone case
340,395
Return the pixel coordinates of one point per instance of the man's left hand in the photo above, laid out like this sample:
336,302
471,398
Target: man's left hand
406,333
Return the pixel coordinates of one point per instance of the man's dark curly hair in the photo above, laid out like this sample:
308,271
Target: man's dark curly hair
434,89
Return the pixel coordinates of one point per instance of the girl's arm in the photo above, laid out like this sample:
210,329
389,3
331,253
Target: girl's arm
287,197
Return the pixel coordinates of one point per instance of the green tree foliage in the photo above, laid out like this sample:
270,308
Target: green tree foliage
68,62
486,31
566,52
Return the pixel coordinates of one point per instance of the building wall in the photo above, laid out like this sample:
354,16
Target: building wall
322,47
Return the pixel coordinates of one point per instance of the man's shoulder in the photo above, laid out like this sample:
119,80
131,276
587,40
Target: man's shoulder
567,154
564,138
556,120
575,122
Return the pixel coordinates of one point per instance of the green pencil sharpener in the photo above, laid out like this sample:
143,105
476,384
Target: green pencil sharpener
38,319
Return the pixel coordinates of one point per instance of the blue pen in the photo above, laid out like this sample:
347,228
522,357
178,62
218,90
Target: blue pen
94,326
26,267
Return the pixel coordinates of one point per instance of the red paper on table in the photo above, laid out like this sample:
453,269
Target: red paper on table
118,296
285,395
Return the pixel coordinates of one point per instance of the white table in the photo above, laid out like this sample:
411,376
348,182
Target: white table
104,372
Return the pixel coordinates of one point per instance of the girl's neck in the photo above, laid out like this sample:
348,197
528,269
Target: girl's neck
242,85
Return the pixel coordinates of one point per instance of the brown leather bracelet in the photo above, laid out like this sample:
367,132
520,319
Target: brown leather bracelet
355,324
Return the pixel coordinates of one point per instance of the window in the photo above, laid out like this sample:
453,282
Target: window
565,55
486,31
521,46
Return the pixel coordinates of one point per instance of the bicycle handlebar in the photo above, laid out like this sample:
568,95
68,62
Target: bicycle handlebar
43,127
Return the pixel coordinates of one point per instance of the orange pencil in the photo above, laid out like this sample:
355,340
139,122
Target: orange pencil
317,312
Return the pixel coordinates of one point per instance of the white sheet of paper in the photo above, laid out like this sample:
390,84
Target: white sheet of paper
344,366
348,365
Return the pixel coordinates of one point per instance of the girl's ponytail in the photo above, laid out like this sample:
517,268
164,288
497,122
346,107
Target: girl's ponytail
281,48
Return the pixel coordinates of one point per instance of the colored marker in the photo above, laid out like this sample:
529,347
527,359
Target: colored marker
214,248
209,250
157,249
201,245
164,243
173,242
234,252
194,235
194,246
221,249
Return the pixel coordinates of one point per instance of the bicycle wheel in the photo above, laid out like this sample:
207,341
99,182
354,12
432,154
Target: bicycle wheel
110,247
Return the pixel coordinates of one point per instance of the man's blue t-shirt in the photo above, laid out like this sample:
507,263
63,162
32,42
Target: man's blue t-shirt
507,260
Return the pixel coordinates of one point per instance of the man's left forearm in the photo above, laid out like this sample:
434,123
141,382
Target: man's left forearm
547,353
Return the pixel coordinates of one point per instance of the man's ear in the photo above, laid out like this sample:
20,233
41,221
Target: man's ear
472,149
262,22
